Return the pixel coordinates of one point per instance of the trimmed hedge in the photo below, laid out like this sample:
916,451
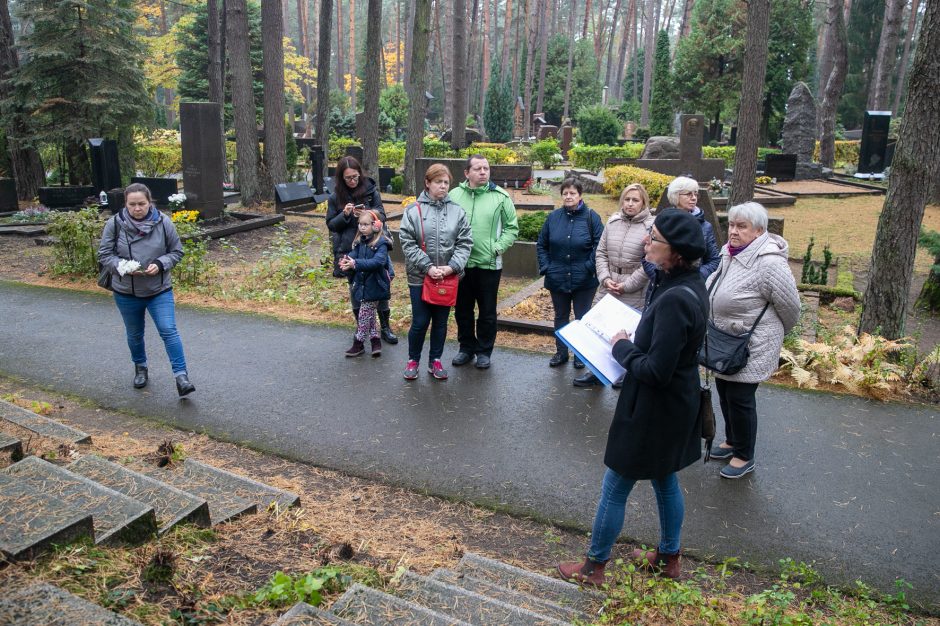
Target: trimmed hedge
158,159
593,157
727,153
619,176
846,152
392,154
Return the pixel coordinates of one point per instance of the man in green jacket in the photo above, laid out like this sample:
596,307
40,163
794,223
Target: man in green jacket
492,217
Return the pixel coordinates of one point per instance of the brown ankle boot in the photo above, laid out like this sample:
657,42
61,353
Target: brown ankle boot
356,349
587,573
668,565
376,347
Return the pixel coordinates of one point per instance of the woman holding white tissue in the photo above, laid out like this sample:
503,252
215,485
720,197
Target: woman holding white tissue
140,246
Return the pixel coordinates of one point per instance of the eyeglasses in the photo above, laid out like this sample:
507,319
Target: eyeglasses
352,178
649,231
689,193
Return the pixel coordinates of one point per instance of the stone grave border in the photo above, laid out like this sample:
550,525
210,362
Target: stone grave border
515,323
249,221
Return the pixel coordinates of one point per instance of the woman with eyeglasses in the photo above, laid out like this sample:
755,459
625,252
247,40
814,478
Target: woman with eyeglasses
682,193
353,193
656,429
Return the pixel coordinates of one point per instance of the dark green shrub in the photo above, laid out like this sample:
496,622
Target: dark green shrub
397,183
598,126
530,225
813,273
76,235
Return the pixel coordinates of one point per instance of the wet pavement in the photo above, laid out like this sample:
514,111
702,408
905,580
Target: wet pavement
840,481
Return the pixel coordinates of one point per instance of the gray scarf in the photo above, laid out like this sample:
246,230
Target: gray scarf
147,224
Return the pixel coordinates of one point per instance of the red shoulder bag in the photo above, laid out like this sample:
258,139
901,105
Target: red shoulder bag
441,292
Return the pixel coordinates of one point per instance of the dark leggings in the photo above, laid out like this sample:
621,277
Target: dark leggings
739,408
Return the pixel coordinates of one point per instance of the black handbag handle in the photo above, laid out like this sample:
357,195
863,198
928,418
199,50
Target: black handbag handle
712,317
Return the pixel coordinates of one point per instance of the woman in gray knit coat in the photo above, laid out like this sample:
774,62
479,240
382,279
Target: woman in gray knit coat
753,274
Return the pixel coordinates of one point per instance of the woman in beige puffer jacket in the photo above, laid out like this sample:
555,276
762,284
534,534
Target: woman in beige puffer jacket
620,251
753,273
619,259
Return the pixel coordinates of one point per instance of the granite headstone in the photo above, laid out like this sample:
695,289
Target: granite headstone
105,167
872,154
203,156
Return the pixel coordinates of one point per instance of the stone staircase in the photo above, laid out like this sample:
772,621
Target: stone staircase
479,591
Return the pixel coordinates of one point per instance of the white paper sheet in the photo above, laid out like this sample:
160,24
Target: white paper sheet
589,337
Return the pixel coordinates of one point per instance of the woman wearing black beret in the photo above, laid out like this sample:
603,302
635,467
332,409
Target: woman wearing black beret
655,431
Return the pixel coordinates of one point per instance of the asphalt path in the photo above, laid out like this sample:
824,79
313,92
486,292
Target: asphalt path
841,482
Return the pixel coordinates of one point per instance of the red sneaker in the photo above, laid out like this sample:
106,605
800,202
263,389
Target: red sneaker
437,370
411,370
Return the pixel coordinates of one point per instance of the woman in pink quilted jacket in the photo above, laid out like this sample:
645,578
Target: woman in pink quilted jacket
618,257
753,274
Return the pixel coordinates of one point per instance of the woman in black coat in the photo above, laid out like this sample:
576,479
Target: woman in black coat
656,430
566,247
354,192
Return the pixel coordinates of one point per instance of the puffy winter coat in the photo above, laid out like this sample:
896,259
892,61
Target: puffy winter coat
344,229
656,430
741,287
566,246
162,246
372,281
446,234
620,254
492,215
711,259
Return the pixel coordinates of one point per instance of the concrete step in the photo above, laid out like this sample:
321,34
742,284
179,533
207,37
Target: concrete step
43,604
509,596
302,614
518,579
41,425
10,446
242,486
467,605
30,521
369,607
223,505
117,518
171,505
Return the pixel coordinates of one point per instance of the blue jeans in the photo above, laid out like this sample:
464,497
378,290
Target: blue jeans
608,522
422,316
162,312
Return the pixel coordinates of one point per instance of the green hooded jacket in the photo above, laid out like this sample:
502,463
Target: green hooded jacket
492,217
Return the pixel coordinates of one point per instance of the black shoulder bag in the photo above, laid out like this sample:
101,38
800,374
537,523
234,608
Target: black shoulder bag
706,413
723,352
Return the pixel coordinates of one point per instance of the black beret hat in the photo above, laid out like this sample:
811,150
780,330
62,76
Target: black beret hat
682,232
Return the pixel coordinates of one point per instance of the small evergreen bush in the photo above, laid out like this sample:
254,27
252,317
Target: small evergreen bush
530,224
598,126
618,177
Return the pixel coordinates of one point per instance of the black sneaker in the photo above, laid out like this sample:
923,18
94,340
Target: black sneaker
721,454
578,364
483,362
559,358
462,358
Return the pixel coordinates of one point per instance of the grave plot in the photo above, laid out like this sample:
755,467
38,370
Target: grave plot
41,425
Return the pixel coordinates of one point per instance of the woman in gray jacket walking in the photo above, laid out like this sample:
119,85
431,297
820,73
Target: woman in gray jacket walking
436,240
753,287
141,233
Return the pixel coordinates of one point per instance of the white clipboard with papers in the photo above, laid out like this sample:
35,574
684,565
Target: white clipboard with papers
589,337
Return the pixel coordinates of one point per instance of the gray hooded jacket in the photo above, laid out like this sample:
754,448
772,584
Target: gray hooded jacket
447,232
162,246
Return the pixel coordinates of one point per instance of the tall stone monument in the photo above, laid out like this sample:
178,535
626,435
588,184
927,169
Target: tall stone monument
690,161
799,131
203,156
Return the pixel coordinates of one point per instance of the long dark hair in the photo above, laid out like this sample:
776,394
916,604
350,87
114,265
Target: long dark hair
345,194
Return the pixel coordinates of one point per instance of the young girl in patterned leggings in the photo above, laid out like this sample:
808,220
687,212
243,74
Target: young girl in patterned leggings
372,282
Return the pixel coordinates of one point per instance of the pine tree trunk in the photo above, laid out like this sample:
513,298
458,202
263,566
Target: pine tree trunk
915,168
322,132
626,39
473,64
414,145
879,95
485,72
610,50
648,52
302,47
458,139
531,35
686,26
27,166
353,66
543,56
587,19
507,28
243,104
409,41
275,143
836,48
216,94
752,95
397,72
371,87
572,20
902,70
447,60
340,38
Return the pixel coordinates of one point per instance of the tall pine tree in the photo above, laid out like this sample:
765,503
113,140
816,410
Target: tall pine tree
81,75
661,103
498,109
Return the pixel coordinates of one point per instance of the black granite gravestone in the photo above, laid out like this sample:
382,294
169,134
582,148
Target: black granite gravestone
292,196
780,166
160,188
355,151
105,167
733,138
873,151
317,163
65,197
203,156
8,199
385,177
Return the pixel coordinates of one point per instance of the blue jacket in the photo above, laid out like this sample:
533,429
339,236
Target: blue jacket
566,248
372,281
